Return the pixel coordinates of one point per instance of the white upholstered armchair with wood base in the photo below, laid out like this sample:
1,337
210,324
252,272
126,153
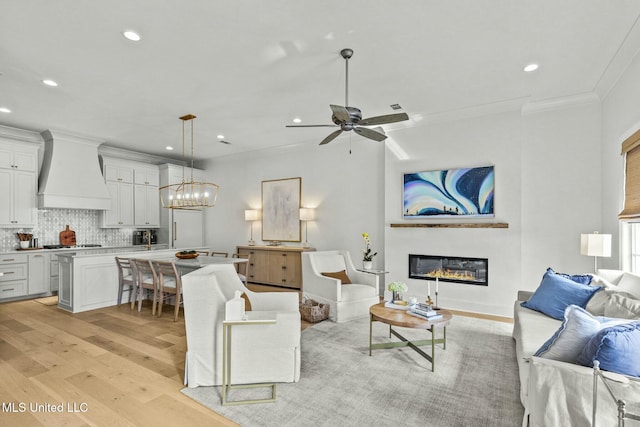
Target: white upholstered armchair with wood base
346,301
260,353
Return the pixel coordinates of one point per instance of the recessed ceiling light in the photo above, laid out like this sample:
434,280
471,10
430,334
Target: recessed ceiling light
132,35
221,136
531,67
50,82
4,110
169,147
297,120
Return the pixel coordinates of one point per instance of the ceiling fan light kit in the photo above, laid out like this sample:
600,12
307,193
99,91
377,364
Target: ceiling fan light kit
350,118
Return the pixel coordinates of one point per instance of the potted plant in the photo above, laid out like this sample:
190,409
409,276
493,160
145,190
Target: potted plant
397,289
367,256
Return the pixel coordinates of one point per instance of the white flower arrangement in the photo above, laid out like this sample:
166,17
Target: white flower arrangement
399,287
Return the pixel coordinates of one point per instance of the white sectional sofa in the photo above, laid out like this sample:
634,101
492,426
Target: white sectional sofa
560,393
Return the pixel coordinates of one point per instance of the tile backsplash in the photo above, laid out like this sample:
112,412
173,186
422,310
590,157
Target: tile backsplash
84,222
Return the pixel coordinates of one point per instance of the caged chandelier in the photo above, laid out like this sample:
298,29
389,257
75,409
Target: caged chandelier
188,194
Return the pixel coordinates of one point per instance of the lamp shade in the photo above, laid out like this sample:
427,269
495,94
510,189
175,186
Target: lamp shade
307,214
595,244
251,215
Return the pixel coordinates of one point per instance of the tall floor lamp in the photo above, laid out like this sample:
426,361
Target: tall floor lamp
306,215
595,245
251,215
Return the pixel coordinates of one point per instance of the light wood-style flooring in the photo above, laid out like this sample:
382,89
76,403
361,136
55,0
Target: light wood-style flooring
107,367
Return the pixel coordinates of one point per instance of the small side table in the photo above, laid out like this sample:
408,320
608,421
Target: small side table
380,274
227,327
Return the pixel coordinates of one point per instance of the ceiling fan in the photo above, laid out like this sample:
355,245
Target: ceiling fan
350,118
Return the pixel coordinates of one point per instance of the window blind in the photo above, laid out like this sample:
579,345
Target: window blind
631,151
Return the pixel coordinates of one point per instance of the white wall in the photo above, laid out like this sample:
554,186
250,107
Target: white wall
547,166
561,186
548,175
496,140
620,118
346,190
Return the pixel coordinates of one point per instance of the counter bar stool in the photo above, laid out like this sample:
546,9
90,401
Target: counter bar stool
170,284
147,280
126,277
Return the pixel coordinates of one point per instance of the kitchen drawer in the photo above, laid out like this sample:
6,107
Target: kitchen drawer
13,272
16,288
13,259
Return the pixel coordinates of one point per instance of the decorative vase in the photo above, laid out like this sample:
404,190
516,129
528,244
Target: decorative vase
367,265
397,296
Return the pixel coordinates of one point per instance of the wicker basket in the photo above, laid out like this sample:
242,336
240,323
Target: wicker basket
312,311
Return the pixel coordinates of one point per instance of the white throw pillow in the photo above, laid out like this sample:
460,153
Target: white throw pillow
622,306
576,330
630,282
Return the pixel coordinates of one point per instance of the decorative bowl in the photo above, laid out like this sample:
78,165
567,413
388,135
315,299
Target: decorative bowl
186,256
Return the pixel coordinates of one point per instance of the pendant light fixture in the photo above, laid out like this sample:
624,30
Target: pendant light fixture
188,194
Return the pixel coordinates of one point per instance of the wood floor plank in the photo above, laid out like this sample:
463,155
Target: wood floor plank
142,359
25,392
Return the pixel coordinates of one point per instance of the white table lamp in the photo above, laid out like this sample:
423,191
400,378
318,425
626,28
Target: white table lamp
251,215
306,215
595,245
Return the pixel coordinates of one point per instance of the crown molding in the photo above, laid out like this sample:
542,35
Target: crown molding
570,101
16,134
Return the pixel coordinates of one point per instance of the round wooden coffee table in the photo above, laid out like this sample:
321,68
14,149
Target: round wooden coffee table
400,318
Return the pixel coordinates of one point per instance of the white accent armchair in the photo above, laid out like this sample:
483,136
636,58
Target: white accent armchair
260,353
346,301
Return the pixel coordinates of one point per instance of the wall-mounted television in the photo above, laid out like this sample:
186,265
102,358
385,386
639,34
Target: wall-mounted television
449,193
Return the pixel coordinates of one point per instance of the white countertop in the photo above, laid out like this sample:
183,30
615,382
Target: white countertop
107,249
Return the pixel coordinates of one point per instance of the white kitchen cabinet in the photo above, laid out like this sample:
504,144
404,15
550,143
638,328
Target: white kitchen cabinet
120,212
39,274
147,175
54,279
133,187
118,172
13,281
147,206
18,181
146,196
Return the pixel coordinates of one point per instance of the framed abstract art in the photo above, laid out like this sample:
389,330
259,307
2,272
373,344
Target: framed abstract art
448,193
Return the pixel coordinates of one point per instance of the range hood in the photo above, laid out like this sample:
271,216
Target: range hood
70,177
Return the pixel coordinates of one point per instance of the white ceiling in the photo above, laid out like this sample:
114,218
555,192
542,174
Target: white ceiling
247,68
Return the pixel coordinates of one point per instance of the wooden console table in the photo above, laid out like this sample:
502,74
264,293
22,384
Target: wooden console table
275,265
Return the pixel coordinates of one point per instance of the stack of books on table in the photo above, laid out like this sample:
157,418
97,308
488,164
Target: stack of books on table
424,311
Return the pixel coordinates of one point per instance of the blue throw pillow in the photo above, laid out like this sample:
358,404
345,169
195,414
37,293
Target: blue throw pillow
577,328
617,348
555,293
584,279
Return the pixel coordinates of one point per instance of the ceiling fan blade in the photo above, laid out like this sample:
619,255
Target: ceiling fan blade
377,134
340,113
310,126
331,137
381,120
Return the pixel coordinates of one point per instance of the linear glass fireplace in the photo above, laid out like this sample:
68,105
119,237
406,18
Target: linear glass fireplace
473,271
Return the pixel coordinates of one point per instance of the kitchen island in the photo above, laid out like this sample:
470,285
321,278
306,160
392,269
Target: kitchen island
90,280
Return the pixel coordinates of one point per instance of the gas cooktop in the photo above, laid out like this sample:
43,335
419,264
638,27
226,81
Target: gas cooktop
89,245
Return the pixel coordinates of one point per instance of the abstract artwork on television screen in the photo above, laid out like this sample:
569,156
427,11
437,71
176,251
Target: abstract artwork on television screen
460,192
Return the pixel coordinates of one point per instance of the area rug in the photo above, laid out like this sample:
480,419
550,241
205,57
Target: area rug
48,300
475,382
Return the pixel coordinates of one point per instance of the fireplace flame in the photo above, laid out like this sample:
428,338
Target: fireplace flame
450,274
